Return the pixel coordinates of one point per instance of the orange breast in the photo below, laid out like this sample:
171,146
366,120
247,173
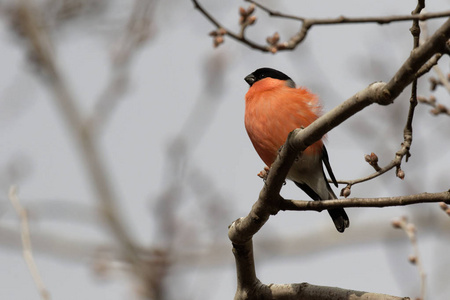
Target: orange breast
272,110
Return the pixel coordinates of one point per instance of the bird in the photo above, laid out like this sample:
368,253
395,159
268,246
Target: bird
274,107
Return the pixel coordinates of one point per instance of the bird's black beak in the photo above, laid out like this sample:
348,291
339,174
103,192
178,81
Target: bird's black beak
250,79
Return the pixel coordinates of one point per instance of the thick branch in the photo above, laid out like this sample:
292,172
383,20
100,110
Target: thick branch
243,229
269,201
380,93
249,287
419,56
247,283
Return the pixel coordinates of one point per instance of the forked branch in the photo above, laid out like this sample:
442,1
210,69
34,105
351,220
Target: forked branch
269,202
307,24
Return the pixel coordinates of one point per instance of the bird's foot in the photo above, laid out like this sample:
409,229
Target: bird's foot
264,173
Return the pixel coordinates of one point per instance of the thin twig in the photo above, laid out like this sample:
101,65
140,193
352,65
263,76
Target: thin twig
26,243
385,95
445,208
438,108
307,23
445,81
288,204
430,64
135,34
346,20
231,34
408,130
404,150
381,171
415,259
442,78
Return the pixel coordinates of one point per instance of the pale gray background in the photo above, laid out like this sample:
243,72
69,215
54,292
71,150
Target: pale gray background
167,79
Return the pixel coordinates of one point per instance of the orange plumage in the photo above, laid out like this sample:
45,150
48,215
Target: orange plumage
273,108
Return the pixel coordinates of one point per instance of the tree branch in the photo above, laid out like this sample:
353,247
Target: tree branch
408,130
415,259
307,24
243,229
347,20
305,290
136,32
430,64
231,34
26,243
269,202
249,287
438,108
395,162
40,46
366,202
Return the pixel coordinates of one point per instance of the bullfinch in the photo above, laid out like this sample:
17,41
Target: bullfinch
273,108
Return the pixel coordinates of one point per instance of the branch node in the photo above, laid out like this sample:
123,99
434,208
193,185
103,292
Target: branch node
345,192
385,97
372,159
400,173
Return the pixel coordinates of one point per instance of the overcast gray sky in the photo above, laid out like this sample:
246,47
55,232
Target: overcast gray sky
167,81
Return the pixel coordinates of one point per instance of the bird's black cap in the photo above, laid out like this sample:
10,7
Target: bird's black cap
264,73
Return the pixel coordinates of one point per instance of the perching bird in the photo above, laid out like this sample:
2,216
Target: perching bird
273,108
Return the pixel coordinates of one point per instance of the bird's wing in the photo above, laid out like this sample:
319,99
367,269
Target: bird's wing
326,161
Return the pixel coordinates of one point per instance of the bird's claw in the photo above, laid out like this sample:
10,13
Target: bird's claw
264,173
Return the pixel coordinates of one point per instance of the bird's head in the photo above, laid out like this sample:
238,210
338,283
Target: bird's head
264,73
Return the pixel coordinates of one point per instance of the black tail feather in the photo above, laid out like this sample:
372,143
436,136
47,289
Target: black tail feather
340,218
